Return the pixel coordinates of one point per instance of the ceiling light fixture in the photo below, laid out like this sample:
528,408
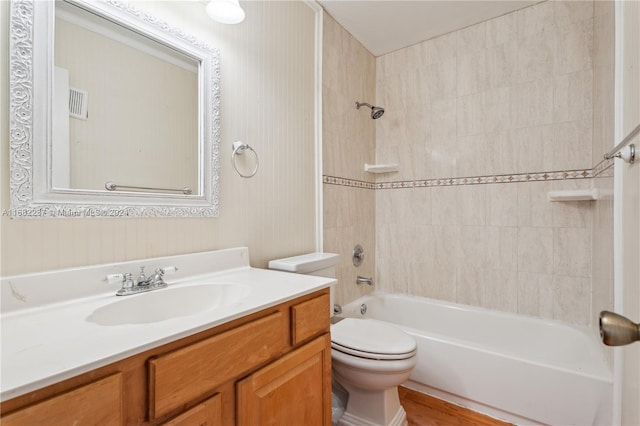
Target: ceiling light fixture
225,11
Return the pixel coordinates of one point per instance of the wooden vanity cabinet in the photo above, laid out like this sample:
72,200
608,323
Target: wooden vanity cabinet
99,402
270,367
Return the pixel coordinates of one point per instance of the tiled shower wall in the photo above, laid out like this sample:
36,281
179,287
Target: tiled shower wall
348,142
508,100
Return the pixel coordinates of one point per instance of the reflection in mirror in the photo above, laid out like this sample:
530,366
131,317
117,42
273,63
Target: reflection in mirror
102,92
125,107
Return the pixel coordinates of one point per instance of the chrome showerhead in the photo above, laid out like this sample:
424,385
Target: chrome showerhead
376,112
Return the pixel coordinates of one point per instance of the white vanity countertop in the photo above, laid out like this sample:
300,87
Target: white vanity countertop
51,342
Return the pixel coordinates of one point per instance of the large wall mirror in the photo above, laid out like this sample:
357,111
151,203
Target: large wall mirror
113,113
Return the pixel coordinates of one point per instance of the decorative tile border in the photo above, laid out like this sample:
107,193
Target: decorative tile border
604,168
475,180
332,180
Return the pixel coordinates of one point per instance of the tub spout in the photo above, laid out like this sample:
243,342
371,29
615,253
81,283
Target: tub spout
363,280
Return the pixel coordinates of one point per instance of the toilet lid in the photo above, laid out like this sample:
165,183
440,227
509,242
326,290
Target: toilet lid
368,338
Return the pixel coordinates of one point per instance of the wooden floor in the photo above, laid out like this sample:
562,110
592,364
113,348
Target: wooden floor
424,410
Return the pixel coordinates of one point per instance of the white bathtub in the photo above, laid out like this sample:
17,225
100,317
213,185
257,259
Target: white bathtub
521,369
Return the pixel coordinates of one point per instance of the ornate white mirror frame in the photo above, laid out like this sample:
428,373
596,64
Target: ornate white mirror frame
31,65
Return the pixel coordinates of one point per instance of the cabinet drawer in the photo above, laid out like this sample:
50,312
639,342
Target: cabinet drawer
309,318
184,375
209,413
99,402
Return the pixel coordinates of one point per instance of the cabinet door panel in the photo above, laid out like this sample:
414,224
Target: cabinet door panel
209,413
184,375
99,402
296,389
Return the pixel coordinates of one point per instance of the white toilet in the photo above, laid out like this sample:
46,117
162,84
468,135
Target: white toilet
369,358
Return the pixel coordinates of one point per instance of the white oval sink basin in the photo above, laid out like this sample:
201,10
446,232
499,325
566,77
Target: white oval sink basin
168,303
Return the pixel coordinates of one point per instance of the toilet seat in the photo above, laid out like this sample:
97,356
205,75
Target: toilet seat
371,339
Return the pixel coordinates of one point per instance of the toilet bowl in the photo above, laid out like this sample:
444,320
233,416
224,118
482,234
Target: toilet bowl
369,358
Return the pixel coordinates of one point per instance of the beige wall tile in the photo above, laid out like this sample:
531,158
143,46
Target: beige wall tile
502,205
535,19
471,71
443,120
536,56
502,248
471,39
535,294
501,30
471,116
574,214
574,47
572,252
569,12
534,209
566,145
532,103
442,78
470,285
502,65
497,105
472,155
571,299
535,250
472,247
444,206
573,96
501,153
529,149
501,290
470,201
440,48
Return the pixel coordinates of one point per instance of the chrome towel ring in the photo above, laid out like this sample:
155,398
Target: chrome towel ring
239,148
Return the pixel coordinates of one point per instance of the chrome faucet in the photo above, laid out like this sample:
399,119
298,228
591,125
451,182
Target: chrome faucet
364,280
143,283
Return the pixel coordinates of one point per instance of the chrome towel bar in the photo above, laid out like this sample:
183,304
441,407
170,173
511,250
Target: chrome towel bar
111,186
617,151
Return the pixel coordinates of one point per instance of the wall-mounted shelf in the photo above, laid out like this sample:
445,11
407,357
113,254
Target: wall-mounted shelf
380,168
574,195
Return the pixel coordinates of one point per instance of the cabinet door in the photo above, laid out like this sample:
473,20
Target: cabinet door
99,402
209,413
296,389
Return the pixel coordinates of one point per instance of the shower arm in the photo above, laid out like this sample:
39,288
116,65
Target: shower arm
359,104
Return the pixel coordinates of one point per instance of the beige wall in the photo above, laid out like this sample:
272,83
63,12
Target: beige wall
267,94
348,142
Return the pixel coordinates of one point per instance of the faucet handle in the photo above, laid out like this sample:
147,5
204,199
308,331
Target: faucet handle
168,270
114,278
161,271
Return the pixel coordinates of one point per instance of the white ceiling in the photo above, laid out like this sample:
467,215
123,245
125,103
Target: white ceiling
383,26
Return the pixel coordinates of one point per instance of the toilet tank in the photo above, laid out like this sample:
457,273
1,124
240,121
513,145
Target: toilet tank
318,264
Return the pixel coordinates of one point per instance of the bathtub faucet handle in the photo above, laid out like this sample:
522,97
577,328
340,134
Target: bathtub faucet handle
364,280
